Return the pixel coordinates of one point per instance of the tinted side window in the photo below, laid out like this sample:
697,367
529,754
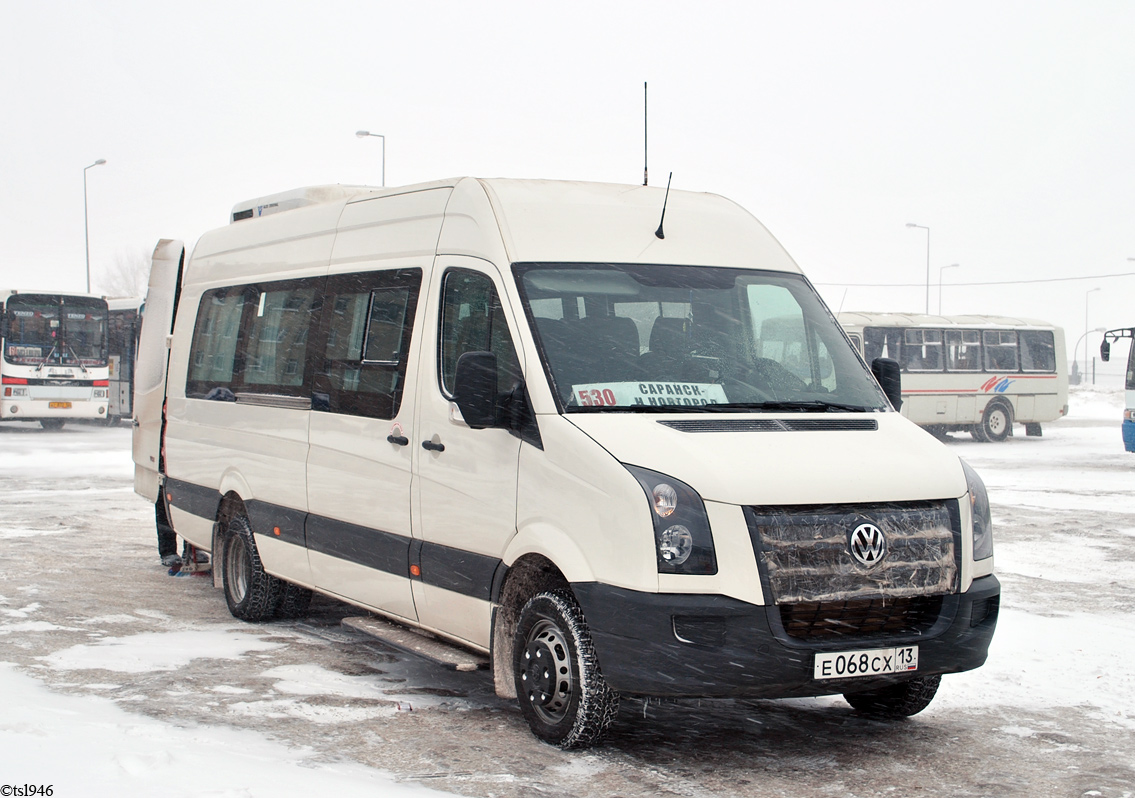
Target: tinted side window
277,338
212,356
882,342
472,321
367,323
1038,352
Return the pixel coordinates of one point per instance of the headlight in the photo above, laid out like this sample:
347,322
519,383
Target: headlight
682,537
979,511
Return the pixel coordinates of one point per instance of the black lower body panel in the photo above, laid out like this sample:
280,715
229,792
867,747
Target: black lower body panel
690,646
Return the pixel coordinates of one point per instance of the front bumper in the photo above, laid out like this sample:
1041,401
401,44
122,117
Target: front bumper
713,646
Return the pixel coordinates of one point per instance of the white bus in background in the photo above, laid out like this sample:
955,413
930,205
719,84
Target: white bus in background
979,374
124,320
54,365
1129,381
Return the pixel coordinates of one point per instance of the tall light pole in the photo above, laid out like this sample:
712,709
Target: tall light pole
942,269
86,229
1087,294
362,134
927,229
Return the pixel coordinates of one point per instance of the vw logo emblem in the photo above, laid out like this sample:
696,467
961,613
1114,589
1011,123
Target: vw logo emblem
867,545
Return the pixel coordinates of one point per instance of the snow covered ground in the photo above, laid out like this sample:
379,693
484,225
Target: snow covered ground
116,679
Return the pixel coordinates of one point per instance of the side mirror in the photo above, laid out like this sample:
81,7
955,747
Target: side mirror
475,388
1105,350
889,376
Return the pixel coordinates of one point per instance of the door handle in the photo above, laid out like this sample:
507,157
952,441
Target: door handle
398,440
433,447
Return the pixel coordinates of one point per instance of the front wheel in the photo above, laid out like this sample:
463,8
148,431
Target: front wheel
561,690
251,593
897,701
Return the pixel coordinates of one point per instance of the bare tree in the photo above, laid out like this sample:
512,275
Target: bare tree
126,276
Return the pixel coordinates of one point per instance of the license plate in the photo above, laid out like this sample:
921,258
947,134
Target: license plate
59,405
873,662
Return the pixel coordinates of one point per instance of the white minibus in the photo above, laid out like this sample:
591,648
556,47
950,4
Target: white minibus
536,420
977,374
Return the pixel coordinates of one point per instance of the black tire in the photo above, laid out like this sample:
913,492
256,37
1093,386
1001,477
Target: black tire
996,422
252,594
897,701
978,433
294,601
561,690
51,423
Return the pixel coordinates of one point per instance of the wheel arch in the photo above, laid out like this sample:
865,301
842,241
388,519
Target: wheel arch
531,574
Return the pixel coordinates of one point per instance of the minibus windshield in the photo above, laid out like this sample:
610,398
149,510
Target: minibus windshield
50,329
653,338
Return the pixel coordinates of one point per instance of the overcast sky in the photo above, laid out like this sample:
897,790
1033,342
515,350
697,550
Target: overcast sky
1007,128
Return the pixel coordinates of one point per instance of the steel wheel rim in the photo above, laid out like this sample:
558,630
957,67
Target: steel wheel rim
236,569
546,672
997,421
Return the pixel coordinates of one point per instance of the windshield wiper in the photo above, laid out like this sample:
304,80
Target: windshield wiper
43,362
800,406
78,360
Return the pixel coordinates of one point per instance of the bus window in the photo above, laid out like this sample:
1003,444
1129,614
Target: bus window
1038,352
963,350
922,350
1000,350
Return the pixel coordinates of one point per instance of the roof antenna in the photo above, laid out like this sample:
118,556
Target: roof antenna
645,172
659,232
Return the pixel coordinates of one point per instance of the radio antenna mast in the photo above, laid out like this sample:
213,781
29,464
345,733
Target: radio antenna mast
645,173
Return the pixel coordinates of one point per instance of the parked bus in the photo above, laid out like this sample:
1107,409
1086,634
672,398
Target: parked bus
520,416
979,374
54,366
125,317
1129,382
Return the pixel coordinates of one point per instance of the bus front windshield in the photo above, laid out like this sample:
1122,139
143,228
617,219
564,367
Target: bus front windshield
49,329
616,337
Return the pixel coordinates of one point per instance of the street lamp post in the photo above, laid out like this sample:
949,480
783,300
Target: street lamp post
942,269
86,229
362,134
927,229
1087,294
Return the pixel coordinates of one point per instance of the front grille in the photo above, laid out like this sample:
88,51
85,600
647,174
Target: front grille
825,620
805,557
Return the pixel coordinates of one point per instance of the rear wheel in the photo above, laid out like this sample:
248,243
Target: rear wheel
996,422
294,601
897,701
251,593
561,690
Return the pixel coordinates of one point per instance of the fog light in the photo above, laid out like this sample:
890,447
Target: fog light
675,544
15,409
101,410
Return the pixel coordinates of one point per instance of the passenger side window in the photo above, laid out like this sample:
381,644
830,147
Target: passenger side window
1000,350
472,320
1038,352
963,350
216,335
368,320
277,338
922,350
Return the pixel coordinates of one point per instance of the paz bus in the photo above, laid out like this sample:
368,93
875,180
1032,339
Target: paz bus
978,374
1129,381
54,366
